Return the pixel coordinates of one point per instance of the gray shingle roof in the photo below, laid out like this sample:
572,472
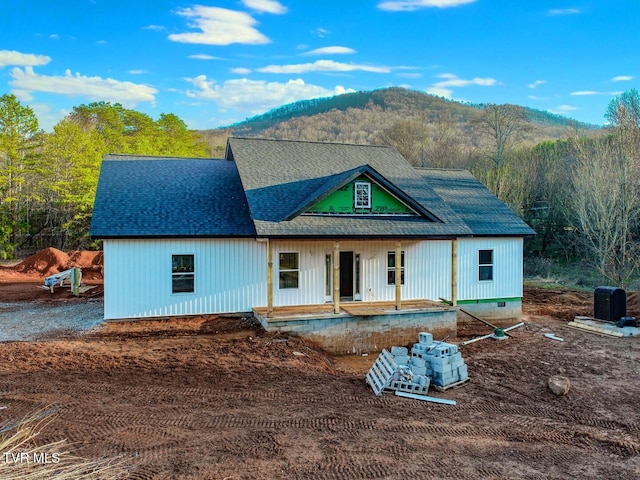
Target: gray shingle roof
482,211
169,197
269,183
279,176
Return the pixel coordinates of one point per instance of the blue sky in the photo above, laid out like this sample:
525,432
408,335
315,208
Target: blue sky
216,62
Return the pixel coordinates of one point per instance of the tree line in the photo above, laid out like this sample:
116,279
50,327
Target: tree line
580,193
48,180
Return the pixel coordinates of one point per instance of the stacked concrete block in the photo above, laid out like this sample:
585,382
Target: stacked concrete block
443,362
439,363
411,373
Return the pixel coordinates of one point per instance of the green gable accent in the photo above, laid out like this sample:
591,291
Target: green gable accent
341,202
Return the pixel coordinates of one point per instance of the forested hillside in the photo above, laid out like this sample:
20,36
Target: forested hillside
365,117
575,184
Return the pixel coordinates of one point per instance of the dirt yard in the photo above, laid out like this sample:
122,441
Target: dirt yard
218,398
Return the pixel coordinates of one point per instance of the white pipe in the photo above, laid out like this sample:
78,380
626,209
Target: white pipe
425,398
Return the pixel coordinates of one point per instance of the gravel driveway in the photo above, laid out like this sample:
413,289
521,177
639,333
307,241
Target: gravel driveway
31,321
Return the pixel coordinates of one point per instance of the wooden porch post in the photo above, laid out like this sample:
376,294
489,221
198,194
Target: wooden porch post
398,276
269,279
454,272
336,277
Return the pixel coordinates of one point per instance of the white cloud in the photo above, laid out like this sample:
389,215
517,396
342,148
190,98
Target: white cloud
323,66
320,32
266,6
563,11
440,92
23,95
410,5
585,93
452,80
537,83
622,78
93,88
137,72
335,50
441,89
11,57
566,108
409,75
241,71
155,28
54,36
257,96
219,26
203,56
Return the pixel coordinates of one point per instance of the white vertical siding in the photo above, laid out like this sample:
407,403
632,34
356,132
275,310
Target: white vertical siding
507,268
427,270
230,276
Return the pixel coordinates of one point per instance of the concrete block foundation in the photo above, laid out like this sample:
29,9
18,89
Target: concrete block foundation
356,334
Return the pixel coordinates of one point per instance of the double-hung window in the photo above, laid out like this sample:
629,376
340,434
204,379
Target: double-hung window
391,268
288,269
485,265
182,274
362,195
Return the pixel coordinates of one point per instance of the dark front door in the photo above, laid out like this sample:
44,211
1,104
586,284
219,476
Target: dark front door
346,275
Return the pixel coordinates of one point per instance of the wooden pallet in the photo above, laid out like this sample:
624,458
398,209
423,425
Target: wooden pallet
381,372
450,386
593,326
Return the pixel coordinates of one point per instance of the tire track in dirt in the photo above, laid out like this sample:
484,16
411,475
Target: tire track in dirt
552,413
344,471
321,423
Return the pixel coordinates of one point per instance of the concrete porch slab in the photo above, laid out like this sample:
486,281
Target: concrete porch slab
361,327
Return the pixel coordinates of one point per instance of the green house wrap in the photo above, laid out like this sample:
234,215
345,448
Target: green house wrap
344,201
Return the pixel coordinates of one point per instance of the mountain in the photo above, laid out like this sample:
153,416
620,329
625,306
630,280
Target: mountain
368,117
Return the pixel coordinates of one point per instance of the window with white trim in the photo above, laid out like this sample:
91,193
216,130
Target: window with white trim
391,268
183,274
288,269
485,265
362,195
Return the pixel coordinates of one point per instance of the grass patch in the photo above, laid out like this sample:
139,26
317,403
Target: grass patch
22,457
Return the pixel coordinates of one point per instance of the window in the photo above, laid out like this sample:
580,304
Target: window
485,262
182,274
362,195
327,275
288,269
391,268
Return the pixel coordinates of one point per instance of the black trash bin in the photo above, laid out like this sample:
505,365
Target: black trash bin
609,304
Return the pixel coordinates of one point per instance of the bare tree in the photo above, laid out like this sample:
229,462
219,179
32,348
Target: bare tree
445,148
409,137
503,127
606,205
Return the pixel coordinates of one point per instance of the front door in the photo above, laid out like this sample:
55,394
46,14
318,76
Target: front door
346,275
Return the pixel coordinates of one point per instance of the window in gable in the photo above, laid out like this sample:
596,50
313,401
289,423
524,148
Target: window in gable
288,270
485,265
391,268
362,195
182,274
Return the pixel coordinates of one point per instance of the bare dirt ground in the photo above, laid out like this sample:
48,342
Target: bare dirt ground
218,398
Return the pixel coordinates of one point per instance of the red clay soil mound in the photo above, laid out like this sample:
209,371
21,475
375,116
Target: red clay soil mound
85,259
633,303
44,263
51,261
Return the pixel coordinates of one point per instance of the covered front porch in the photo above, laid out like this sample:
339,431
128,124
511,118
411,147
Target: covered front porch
361,327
